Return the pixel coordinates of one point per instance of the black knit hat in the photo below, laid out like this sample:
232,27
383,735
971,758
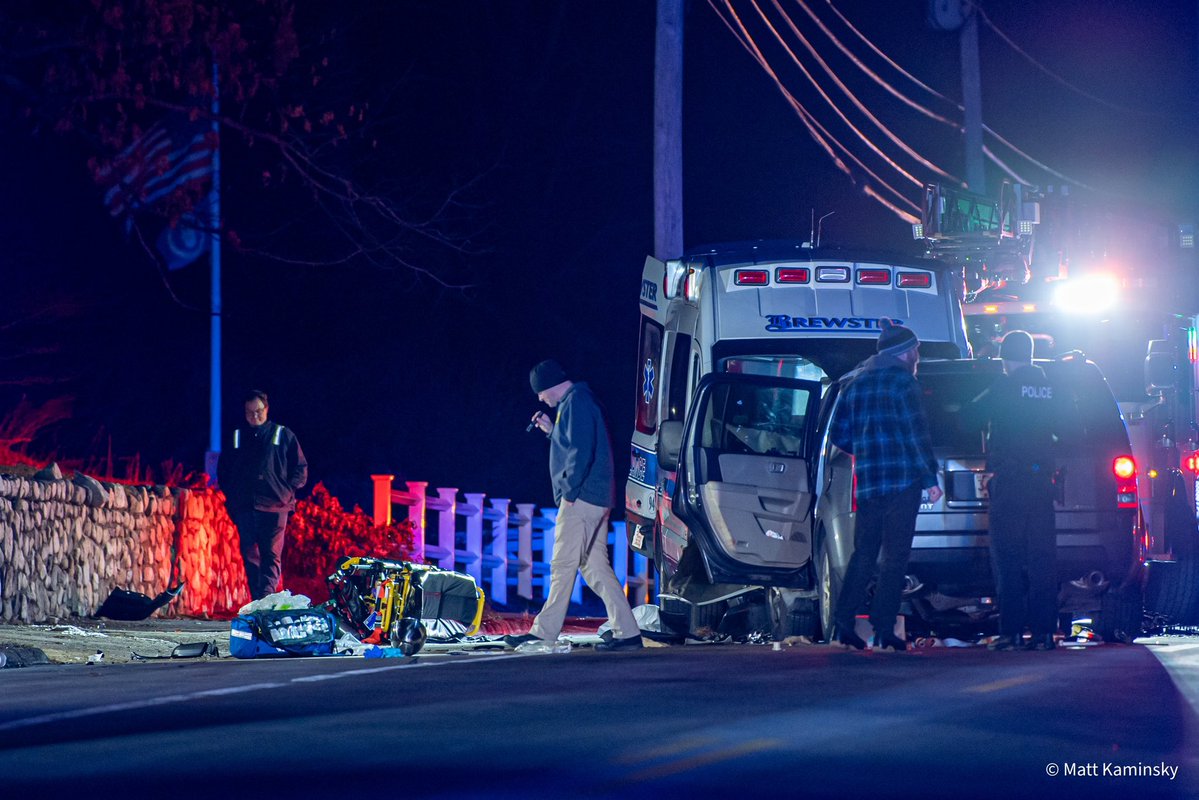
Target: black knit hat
1016,346
895,339
546,374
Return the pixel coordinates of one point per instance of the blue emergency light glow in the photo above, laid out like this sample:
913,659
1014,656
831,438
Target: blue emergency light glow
792,275
874,277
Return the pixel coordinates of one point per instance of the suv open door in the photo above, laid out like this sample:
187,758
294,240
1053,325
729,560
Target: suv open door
743,487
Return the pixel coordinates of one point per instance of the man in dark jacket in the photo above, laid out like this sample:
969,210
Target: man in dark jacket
880,421
1024,418
259,473
584,489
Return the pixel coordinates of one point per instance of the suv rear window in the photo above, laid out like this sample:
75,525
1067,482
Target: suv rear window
1092,413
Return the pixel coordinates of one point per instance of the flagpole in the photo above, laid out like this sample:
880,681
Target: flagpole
214,397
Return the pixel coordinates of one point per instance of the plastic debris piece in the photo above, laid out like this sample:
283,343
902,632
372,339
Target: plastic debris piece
557,647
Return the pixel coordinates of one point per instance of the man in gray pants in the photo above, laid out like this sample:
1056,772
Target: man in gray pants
584,489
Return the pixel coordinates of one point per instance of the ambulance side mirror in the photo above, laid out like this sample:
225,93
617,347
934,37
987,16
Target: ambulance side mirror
1160,368
670,441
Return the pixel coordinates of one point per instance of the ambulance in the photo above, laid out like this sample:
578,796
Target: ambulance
736,346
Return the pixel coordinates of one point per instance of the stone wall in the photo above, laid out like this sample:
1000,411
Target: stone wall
66,544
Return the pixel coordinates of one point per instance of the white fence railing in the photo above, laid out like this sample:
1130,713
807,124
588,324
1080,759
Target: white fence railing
500,548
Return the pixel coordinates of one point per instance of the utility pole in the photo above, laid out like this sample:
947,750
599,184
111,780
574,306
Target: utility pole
972,99
962,16
668,130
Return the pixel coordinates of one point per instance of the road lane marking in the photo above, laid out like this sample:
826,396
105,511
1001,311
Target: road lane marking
151,702
1006,683
703,759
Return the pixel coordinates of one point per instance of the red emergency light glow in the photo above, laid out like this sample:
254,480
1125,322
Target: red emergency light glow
1193,345
1125,470
874,277
751,277
1190,462
792,275
913,280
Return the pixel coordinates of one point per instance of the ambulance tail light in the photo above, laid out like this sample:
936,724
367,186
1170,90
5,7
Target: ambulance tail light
751,277
676,271
874,277
1190,462
1125,470
913,280
792,275
693,284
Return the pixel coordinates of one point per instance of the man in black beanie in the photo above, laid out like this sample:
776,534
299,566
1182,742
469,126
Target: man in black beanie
585,490
880,421
1024,418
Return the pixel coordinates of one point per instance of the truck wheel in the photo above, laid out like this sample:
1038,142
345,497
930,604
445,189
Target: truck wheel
1172,590
1122,614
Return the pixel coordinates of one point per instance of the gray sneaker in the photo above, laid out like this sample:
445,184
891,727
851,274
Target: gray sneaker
516,640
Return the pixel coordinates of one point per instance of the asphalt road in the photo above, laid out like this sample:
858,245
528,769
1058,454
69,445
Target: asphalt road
695,721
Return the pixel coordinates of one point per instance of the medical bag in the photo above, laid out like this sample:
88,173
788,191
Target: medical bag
404,604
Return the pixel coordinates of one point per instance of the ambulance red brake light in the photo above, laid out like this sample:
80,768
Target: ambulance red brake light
792,275
874,277
1190,462
913,280
751,277
1125,470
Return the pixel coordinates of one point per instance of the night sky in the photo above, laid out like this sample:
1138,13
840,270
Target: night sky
540,114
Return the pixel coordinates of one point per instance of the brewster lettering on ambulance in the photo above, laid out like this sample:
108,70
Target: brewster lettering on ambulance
736,344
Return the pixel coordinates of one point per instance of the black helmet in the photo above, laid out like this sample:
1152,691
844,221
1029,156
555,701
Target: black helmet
408,635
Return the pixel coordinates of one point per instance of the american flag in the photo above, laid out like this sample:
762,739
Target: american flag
172,154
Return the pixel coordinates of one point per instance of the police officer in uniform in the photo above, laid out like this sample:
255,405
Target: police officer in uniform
1024,418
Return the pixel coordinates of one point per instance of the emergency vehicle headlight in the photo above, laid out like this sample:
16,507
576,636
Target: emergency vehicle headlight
832,274
676,271
1088,295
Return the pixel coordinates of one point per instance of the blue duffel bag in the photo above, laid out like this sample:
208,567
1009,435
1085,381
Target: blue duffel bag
291,632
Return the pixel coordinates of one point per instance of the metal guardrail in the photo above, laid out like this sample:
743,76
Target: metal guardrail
500,548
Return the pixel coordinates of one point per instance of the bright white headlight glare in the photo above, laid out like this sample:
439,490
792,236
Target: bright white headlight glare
1089,295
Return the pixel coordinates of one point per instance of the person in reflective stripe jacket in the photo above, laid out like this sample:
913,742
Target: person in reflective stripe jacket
259,472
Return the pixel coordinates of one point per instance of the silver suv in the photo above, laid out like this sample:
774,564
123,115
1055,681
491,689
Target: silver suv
949,573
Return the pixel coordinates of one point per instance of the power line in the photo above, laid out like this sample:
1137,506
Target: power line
818,132
852,97
1058,78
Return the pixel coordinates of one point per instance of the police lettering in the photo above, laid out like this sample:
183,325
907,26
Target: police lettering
783,322
1037,392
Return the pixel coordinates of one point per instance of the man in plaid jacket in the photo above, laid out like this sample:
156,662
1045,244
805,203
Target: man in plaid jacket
881,422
